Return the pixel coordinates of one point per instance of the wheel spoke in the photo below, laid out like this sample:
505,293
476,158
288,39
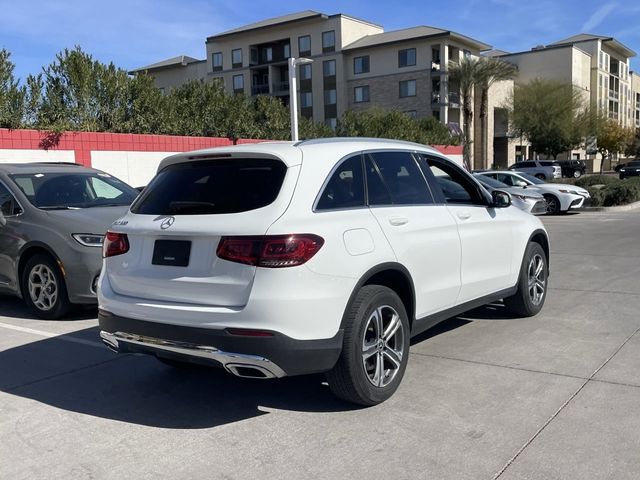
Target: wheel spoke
392,328
539,267
394,356
369,351
378,376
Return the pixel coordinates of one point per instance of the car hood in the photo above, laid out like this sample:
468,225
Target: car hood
527,192
556,187
87,220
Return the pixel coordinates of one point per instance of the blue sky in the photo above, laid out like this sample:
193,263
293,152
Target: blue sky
133,33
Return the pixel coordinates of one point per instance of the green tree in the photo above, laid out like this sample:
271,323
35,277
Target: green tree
612,138
492,70
12,96
272,118
550,114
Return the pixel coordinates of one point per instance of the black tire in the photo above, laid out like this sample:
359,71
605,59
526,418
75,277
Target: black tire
523,303
351,378
36,267
553,204
540,176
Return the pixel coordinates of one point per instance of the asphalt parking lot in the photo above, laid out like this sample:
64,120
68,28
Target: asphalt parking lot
485,396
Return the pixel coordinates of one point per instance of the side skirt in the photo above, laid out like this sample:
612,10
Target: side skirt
425,323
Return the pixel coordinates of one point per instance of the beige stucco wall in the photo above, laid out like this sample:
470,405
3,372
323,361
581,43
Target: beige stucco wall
175,76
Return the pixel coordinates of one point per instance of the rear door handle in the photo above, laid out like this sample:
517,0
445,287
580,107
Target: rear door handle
463,215
398,221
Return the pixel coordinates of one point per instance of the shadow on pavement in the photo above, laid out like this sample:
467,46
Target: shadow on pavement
11,306
75,372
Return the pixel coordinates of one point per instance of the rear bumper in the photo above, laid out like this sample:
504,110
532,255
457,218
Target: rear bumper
260,357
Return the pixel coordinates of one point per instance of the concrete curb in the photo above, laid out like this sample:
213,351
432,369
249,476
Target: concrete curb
621,208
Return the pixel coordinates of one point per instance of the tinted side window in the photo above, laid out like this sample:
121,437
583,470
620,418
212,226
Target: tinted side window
345,188
456,187
376,190
525,165
506,179
402,178
8,205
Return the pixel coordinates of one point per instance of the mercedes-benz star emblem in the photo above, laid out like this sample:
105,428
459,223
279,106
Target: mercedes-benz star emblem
167,222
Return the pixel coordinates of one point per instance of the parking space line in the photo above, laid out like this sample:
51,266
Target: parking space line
562,407
57,336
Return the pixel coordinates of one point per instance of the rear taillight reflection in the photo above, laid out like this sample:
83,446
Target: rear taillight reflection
115,244
271,251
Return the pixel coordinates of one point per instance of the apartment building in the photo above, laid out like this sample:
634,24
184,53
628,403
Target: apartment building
597,66
356,65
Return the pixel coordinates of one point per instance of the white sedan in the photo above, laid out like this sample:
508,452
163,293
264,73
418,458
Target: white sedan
559,197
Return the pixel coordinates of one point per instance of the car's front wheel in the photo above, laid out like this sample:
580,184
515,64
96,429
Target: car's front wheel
553,204
577,174
540,176
44,289
532,283
375,348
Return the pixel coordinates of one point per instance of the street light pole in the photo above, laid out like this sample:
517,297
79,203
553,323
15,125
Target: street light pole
293,94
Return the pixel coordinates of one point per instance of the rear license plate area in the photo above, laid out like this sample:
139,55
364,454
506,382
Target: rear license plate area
174,253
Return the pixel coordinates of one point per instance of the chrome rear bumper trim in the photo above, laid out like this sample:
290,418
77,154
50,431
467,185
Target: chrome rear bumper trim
229,360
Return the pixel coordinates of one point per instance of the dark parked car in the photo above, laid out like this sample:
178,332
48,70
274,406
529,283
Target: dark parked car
631,169
573,168
53,219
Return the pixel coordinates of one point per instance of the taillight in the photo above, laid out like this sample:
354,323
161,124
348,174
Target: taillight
271,251
115,244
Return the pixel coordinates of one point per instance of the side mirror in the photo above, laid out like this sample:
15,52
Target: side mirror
521,183
500,199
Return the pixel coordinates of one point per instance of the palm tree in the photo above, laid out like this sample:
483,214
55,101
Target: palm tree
481,72
492,70
467,73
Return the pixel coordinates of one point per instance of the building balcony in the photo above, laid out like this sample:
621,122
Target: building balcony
280,88
260,89
452,99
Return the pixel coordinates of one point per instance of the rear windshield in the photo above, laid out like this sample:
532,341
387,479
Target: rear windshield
212,187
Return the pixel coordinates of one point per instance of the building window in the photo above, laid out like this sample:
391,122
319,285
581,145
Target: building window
329,68
408,88
306,99
328,41
305,71
332,123
412,113
216,58
407,58
236,58
361,94
287,50
361,65
238,83
330,97
304,45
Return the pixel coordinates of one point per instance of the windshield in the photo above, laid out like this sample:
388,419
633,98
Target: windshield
60,191
490,182
530,178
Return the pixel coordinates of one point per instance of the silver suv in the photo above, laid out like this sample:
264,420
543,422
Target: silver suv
542,169
52,222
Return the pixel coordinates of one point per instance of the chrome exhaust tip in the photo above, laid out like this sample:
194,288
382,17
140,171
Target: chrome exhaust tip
110,341
249,371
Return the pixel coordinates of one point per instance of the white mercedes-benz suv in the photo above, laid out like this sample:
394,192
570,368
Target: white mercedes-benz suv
278,259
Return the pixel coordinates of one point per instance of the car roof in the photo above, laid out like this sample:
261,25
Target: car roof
293,152
44,167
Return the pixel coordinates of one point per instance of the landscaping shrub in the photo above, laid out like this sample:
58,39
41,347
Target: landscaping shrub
589,180
621,193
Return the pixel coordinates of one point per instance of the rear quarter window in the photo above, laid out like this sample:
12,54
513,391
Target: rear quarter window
212,187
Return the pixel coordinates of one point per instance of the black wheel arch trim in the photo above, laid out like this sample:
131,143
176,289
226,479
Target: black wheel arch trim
546,248
393,266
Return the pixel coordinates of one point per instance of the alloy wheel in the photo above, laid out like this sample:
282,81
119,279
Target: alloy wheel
43,287
383,346
536,279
